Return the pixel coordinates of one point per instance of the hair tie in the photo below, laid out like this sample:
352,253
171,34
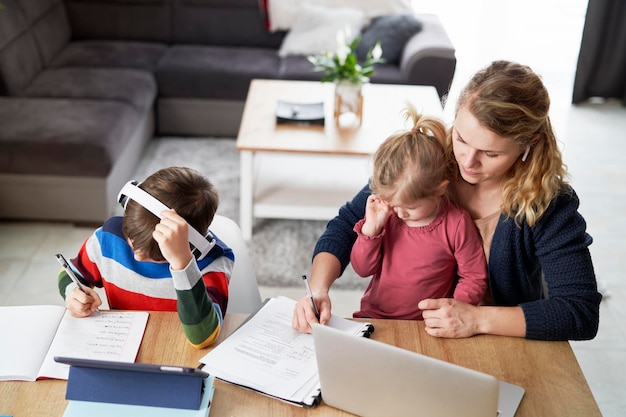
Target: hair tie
415,130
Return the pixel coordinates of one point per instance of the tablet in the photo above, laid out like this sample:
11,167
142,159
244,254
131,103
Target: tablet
133,366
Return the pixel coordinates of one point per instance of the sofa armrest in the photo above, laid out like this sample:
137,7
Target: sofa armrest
429,56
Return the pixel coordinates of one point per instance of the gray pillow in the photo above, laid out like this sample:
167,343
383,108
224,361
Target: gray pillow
393,32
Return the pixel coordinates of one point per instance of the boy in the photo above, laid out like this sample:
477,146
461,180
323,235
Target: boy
146,263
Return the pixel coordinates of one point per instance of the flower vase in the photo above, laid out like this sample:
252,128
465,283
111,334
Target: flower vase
348,100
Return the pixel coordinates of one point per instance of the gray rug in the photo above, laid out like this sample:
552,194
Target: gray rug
280,249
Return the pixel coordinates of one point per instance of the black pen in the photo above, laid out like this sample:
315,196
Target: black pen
66,265
310,294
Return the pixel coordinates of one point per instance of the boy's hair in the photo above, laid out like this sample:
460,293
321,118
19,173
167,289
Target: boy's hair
411,165
185,190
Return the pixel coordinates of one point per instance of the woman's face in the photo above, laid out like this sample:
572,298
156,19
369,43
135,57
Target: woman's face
482,155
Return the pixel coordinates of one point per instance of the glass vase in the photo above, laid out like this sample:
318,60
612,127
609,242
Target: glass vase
348,102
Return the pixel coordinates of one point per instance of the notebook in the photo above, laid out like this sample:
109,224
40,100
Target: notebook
371,378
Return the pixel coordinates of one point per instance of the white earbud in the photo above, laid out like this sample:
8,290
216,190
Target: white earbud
526,152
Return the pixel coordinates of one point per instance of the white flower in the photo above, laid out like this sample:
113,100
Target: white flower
342,53
343,64
343,49
344,36
377,51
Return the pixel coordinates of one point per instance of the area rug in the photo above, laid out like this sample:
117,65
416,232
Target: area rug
281,250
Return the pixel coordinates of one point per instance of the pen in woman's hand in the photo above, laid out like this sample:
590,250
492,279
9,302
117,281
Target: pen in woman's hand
310,294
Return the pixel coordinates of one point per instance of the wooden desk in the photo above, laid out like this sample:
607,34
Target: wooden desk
554,383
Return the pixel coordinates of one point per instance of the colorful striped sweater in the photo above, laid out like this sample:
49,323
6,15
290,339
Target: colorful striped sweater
199,292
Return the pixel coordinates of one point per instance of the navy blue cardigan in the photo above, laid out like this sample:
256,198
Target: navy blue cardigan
522,258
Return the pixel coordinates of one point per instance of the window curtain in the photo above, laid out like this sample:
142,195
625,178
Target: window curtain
601,70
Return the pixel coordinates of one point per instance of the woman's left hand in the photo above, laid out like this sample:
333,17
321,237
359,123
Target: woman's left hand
447,317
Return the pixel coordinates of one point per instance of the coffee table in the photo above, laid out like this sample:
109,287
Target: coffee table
293,171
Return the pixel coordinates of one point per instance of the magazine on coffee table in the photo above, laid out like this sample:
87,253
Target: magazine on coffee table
300,113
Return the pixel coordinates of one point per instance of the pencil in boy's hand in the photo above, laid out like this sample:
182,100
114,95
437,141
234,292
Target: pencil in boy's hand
70,272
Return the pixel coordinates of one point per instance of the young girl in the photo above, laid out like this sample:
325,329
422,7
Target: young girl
413,240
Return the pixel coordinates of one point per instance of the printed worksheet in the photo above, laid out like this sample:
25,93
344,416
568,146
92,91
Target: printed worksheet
267,355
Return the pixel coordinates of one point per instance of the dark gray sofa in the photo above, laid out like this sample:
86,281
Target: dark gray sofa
84,84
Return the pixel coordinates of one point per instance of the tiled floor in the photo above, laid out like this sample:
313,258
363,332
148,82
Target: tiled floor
542,33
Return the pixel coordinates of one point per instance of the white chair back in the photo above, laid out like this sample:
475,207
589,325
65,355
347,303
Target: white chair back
244,295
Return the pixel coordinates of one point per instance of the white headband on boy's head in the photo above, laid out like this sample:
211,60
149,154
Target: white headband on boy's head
202,244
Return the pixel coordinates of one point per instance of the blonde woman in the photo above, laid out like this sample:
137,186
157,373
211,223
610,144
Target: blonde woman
511,179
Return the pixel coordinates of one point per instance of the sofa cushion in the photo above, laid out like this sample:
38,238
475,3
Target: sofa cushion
12,23
19,58
393,32
49,25
63,137
138,20
387,74
33,9
52,32
131,86
116,54
298,68
316,28
222,23
213,72
282,14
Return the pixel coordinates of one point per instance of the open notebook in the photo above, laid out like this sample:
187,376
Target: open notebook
33,335
266,355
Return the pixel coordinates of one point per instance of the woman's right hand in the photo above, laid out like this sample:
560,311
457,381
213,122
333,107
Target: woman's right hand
82,304
324,270
304,315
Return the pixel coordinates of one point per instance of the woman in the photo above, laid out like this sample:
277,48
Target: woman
511,179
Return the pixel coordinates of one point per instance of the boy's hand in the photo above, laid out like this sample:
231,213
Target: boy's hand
377,212
172,235
80,304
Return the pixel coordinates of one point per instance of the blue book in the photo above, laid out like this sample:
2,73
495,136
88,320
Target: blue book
101,409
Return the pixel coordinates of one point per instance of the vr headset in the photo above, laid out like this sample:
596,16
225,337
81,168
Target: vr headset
201,244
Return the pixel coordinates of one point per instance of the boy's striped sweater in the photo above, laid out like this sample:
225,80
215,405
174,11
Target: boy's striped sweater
199,292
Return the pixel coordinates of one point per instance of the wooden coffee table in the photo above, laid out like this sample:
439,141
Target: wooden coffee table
291,171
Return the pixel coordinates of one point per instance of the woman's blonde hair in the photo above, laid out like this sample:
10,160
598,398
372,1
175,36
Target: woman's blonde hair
510,100
410,165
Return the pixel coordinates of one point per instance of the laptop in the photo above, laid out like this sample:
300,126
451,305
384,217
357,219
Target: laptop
372,379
